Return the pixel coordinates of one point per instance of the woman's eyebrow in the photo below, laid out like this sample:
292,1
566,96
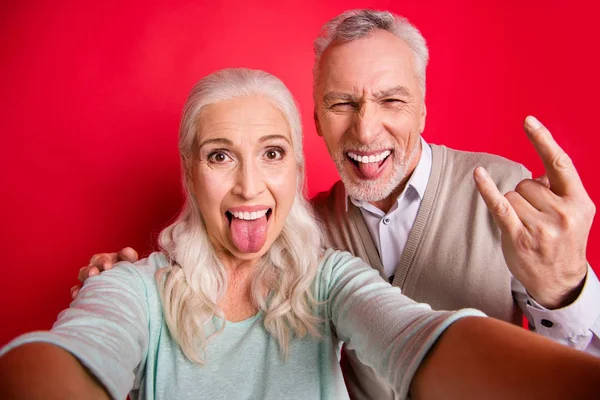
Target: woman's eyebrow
274,137
215,140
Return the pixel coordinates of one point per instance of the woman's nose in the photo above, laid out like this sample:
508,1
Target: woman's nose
249,182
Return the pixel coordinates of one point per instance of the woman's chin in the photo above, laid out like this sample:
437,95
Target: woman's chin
246,254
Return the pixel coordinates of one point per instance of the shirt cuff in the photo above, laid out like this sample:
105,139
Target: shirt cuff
575,324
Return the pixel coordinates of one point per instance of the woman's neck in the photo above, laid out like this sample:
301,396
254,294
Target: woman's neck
238,303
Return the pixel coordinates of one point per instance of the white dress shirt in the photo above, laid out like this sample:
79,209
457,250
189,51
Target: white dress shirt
390,231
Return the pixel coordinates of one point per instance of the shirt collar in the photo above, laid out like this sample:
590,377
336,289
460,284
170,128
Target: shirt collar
419,179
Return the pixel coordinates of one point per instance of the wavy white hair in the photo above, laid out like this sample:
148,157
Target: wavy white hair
355,24
194,283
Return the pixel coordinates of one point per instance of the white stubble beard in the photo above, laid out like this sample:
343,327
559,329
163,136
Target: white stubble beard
378,189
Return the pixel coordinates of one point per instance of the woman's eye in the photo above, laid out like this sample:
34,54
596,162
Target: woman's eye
274,154
218,157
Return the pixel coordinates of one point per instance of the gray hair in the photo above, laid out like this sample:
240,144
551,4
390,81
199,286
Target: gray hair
194,283
355,24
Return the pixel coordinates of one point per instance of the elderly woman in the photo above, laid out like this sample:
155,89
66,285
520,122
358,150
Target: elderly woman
243,302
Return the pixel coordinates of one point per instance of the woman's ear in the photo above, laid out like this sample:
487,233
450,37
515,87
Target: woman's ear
189,174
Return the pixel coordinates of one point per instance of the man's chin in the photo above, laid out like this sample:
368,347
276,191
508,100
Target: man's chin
366,191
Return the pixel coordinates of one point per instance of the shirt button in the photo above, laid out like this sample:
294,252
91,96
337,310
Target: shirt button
386,221
546,323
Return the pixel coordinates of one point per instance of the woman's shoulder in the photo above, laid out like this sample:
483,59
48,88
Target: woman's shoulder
332,260
337,264
144,269
136,279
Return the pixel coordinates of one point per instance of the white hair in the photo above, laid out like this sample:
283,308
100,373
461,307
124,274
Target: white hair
196,280
355,24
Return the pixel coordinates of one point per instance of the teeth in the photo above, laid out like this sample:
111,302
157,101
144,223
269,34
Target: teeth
369,159
249,216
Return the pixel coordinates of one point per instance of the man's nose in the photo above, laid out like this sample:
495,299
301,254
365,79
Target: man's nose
367,124
249,181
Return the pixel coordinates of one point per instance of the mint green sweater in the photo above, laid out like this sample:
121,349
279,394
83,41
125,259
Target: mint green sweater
116,329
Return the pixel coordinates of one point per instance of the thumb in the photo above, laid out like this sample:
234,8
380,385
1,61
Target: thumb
128,254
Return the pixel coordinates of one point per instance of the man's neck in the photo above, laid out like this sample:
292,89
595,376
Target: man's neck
386,204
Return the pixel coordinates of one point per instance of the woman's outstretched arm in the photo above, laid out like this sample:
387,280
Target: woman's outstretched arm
447,355
45,371
98,344
486,358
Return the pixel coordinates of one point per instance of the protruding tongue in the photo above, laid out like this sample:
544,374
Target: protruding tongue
249,236
369,170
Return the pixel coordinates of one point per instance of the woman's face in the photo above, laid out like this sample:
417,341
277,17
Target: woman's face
244,175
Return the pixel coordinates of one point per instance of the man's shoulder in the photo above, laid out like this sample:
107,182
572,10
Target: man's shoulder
329,198
497,166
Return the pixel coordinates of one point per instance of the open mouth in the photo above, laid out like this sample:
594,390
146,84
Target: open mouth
369,164
248,215
248,227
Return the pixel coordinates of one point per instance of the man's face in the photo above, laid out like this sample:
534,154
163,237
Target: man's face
370,111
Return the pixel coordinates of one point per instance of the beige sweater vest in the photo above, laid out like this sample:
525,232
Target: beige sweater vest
453,257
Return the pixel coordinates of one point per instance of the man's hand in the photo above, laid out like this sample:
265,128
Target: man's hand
103,262
545,223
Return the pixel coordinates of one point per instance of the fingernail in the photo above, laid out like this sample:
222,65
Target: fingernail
93,271
533,122
480,173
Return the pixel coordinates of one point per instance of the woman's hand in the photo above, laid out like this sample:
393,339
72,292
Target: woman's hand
103,262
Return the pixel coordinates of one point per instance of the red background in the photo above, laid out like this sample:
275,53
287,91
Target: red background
91,95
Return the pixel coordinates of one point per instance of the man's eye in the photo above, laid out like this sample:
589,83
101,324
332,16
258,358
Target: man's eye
393,101
274,154
345,104
218,157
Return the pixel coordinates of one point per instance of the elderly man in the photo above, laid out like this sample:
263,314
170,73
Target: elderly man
412,209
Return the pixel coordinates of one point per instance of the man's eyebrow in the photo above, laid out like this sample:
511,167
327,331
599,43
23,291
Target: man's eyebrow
395,91
339,96
266,138
351,98
216,141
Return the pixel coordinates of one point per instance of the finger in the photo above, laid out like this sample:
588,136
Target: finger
104,261
562,175
82,275
543,180
75,291
525,211
86,272
127,254
537,195
98,259
502,211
